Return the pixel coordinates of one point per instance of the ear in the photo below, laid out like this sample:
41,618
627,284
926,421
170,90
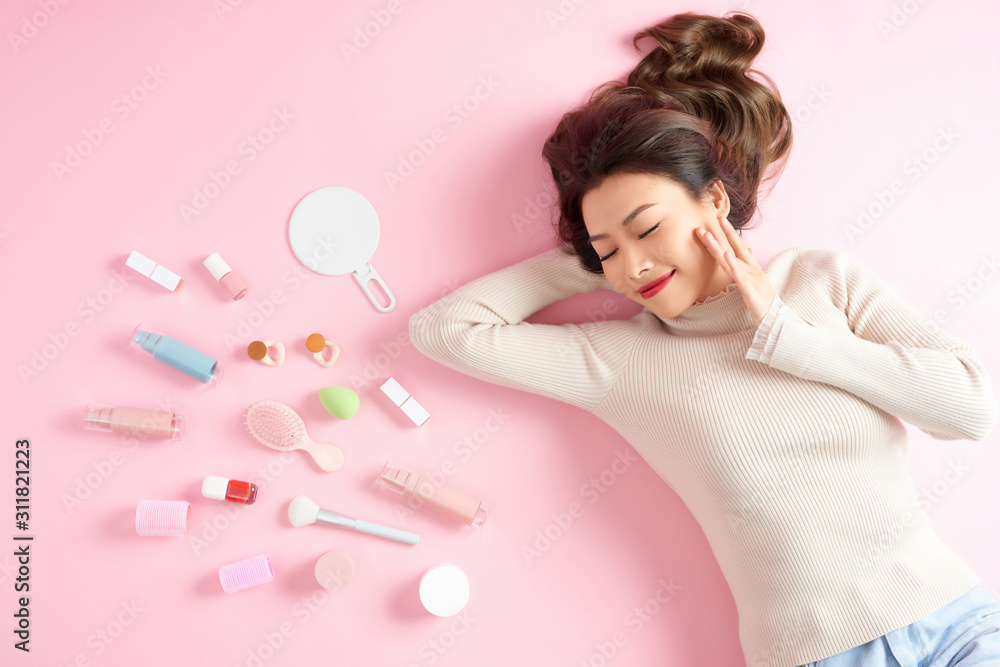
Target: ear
719,198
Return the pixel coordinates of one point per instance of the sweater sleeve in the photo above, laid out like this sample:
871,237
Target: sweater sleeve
478,329
892,357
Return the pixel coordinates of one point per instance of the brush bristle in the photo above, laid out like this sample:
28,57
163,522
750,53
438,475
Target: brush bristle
275,425
302,511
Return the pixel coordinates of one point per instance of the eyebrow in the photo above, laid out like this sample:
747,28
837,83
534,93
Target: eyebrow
625,223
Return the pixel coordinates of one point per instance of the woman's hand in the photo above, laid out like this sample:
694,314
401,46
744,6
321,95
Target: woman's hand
738,261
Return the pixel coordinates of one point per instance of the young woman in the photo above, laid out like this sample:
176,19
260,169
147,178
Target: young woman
769,399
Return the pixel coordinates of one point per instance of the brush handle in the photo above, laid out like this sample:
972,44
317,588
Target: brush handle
385,531
335,519
328,457
344,521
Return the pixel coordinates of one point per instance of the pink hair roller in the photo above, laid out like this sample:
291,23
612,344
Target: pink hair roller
162,517
246,573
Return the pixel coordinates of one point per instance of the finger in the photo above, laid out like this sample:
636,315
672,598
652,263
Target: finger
709,240
735,241
725,247
715,248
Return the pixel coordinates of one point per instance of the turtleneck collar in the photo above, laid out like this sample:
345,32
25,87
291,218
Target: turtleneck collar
719,314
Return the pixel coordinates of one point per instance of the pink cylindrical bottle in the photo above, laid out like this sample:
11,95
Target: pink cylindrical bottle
450,502
134,421
226,276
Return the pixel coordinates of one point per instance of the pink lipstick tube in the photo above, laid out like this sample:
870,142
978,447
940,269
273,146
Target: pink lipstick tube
134,421
446,500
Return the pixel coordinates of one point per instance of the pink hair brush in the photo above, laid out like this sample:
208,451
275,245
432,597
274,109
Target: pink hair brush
277,426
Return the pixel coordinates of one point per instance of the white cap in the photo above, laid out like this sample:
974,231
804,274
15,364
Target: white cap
217,266
214,487
415,411
444,590
394,391
140,263
153,271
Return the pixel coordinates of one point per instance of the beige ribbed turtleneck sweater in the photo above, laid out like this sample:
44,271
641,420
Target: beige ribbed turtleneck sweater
784,441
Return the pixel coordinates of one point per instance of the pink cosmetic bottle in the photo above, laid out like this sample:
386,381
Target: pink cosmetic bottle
450,502
134,421
226,276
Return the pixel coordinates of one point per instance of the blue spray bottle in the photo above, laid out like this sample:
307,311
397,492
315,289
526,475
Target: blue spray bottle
178,355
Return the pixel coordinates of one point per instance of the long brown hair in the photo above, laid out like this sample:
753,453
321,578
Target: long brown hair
688,112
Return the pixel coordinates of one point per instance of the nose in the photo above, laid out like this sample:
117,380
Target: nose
637,262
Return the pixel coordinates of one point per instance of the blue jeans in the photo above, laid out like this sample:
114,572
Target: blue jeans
963,633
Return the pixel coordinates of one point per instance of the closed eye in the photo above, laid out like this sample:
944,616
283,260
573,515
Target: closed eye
641,236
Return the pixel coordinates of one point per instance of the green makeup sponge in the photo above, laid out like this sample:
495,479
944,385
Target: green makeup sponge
340,402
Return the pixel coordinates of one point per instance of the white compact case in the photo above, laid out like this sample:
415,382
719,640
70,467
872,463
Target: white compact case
444,590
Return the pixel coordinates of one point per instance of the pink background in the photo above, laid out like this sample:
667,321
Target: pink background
865,102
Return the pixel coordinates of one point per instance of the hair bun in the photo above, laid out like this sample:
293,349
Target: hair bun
701,66
693,47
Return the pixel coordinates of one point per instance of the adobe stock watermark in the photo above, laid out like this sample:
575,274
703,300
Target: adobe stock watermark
364,34
121,108
85,486
931,494
263,309
636,619
899,15
224,7
301,612
914,167
105,636
803,113
464,448
247,151
609,306
39,358
777,653
8,568
455,116
591,491
532,210
210,530
31,24
926,497
583,158
964,292
431,650
533,207
377,368
762,493
561,12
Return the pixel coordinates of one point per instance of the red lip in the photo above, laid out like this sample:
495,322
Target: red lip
653,286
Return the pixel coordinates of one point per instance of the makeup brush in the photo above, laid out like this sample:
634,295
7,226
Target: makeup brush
302,511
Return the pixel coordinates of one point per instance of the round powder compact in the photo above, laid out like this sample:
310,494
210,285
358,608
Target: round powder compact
444,590
334,569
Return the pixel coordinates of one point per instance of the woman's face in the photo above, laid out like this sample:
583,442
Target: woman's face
660,237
